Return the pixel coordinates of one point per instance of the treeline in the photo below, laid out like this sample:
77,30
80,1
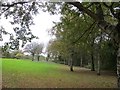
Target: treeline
6,52
80,42
31,51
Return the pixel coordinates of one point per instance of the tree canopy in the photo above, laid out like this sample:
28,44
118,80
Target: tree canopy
34,49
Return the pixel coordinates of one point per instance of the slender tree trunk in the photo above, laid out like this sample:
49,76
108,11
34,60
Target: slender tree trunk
48,56
71,64
33,57
92,54
65,61
71,61
118,65
116,38
38,58
71,50
98,63
47,59
92,62
81,61
99,55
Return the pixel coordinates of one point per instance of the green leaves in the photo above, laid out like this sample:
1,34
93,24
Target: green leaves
78,32
21,16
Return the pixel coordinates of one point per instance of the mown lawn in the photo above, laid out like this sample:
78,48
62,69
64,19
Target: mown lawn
29,74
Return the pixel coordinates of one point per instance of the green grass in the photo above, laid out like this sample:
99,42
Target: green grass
29,74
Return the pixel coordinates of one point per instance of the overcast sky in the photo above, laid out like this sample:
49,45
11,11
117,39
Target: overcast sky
43,22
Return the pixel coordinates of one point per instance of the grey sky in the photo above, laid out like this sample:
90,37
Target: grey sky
43,22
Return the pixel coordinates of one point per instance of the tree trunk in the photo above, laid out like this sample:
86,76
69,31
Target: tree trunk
65,61
47,59
92,62
71,68
71,65
92,54
118,65
81,61
48,56
38,58
116,38
98,63
71,60
33,57
99,54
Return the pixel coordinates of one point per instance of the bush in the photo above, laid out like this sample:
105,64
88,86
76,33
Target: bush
19,55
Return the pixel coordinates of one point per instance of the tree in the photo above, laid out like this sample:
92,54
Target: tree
108,55
68,32
5,50
58,50
106,16
99,15
20,14
39,48
34,49
105,25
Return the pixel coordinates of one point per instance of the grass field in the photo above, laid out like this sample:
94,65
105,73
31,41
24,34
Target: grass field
29,74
